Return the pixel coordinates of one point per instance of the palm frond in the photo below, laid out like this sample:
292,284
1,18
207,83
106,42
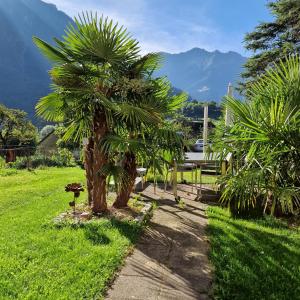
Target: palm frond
50,108
51,52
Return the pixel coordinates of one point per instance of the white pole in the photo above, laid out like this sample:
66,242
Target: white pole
205,127
175,180
228,115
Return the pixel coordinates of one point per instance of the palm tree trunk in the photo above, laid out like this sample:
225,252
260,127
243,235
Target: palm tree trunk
99,160
129,165
88,161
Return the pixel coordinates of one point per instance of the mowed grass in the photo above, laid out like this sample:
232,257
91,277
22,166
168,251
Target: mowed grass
40,261
254,259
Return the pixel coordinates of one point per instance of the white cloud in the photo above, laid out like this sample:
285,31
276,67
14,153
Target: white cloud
157,29
203,89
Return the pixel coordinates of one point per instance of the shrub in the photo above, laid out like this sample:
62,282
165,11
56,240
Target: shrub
63,158
264,141
2,163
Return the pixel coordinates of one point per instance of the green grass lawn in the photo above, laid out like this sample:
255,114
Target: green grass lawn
40,261
254,259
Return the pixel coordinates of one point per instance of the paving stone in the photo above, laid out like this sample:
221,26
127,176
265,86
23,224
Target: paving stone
170,261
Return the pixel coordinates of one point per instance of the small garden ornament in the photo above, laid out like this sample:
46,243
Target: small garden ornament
76,188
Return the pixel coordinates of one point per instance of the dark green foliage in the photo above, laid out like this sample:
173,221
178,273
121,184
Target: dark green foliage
16,131
271,41
246,211
195,109
253,259
63,158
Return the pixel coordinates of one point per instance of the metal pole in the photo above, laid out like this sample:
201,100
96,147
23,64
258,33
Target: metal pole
175,180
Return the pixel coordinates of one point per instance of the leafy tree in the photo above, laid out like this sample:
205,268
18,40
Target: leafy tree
265,143
16,131
275,40
195,110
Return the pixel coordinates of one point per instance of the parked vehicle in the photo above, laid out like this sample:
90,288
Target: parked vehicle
199,145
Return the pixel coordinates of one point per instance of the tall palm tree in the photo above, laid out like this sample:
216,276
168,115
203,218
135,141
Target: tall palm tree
89,63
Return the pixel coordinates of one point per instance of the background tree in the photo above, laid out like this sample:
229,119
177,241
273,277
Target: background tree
195,109
275,40
16,132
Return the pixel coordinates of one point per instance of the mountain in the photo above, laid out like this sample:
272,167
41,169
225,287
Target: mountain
23,70
204,75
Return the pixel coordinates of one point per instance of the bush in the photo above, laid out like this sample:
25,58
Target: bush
247,211
63,158
2,163
264,143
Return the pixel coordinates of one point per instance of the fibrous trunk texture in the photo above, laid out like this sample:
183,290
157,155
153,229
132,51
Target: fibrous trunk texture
129,165
99,160
88,159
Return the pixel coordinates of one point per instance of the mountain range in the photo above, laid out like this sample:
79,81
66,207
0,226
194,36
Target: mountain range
204,75
24,71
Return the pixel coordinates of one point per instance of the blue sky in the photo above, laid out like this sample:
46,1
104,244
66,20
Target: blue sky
179,25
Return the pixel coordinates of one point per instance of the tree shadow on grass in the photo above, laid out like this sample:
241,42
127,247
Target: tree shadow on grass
94,233
96,230
130,229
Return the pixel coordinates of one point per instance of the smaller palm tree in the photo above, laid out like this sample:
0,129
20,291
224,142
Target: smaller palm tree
265,143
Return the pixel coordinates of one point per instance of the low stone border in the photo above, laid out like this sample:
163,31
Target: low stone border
145,213
84,216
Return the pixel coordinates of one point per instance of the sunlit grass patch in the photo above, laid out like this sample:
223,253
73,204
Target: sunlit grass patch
40,261
254,259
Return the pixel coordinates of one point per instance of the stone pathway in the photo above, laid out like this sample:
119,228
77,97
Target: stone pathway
170,260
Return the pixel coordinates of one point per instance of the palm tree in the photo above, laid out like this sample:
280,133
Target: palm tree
130,140
89,63
265,141
156,96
